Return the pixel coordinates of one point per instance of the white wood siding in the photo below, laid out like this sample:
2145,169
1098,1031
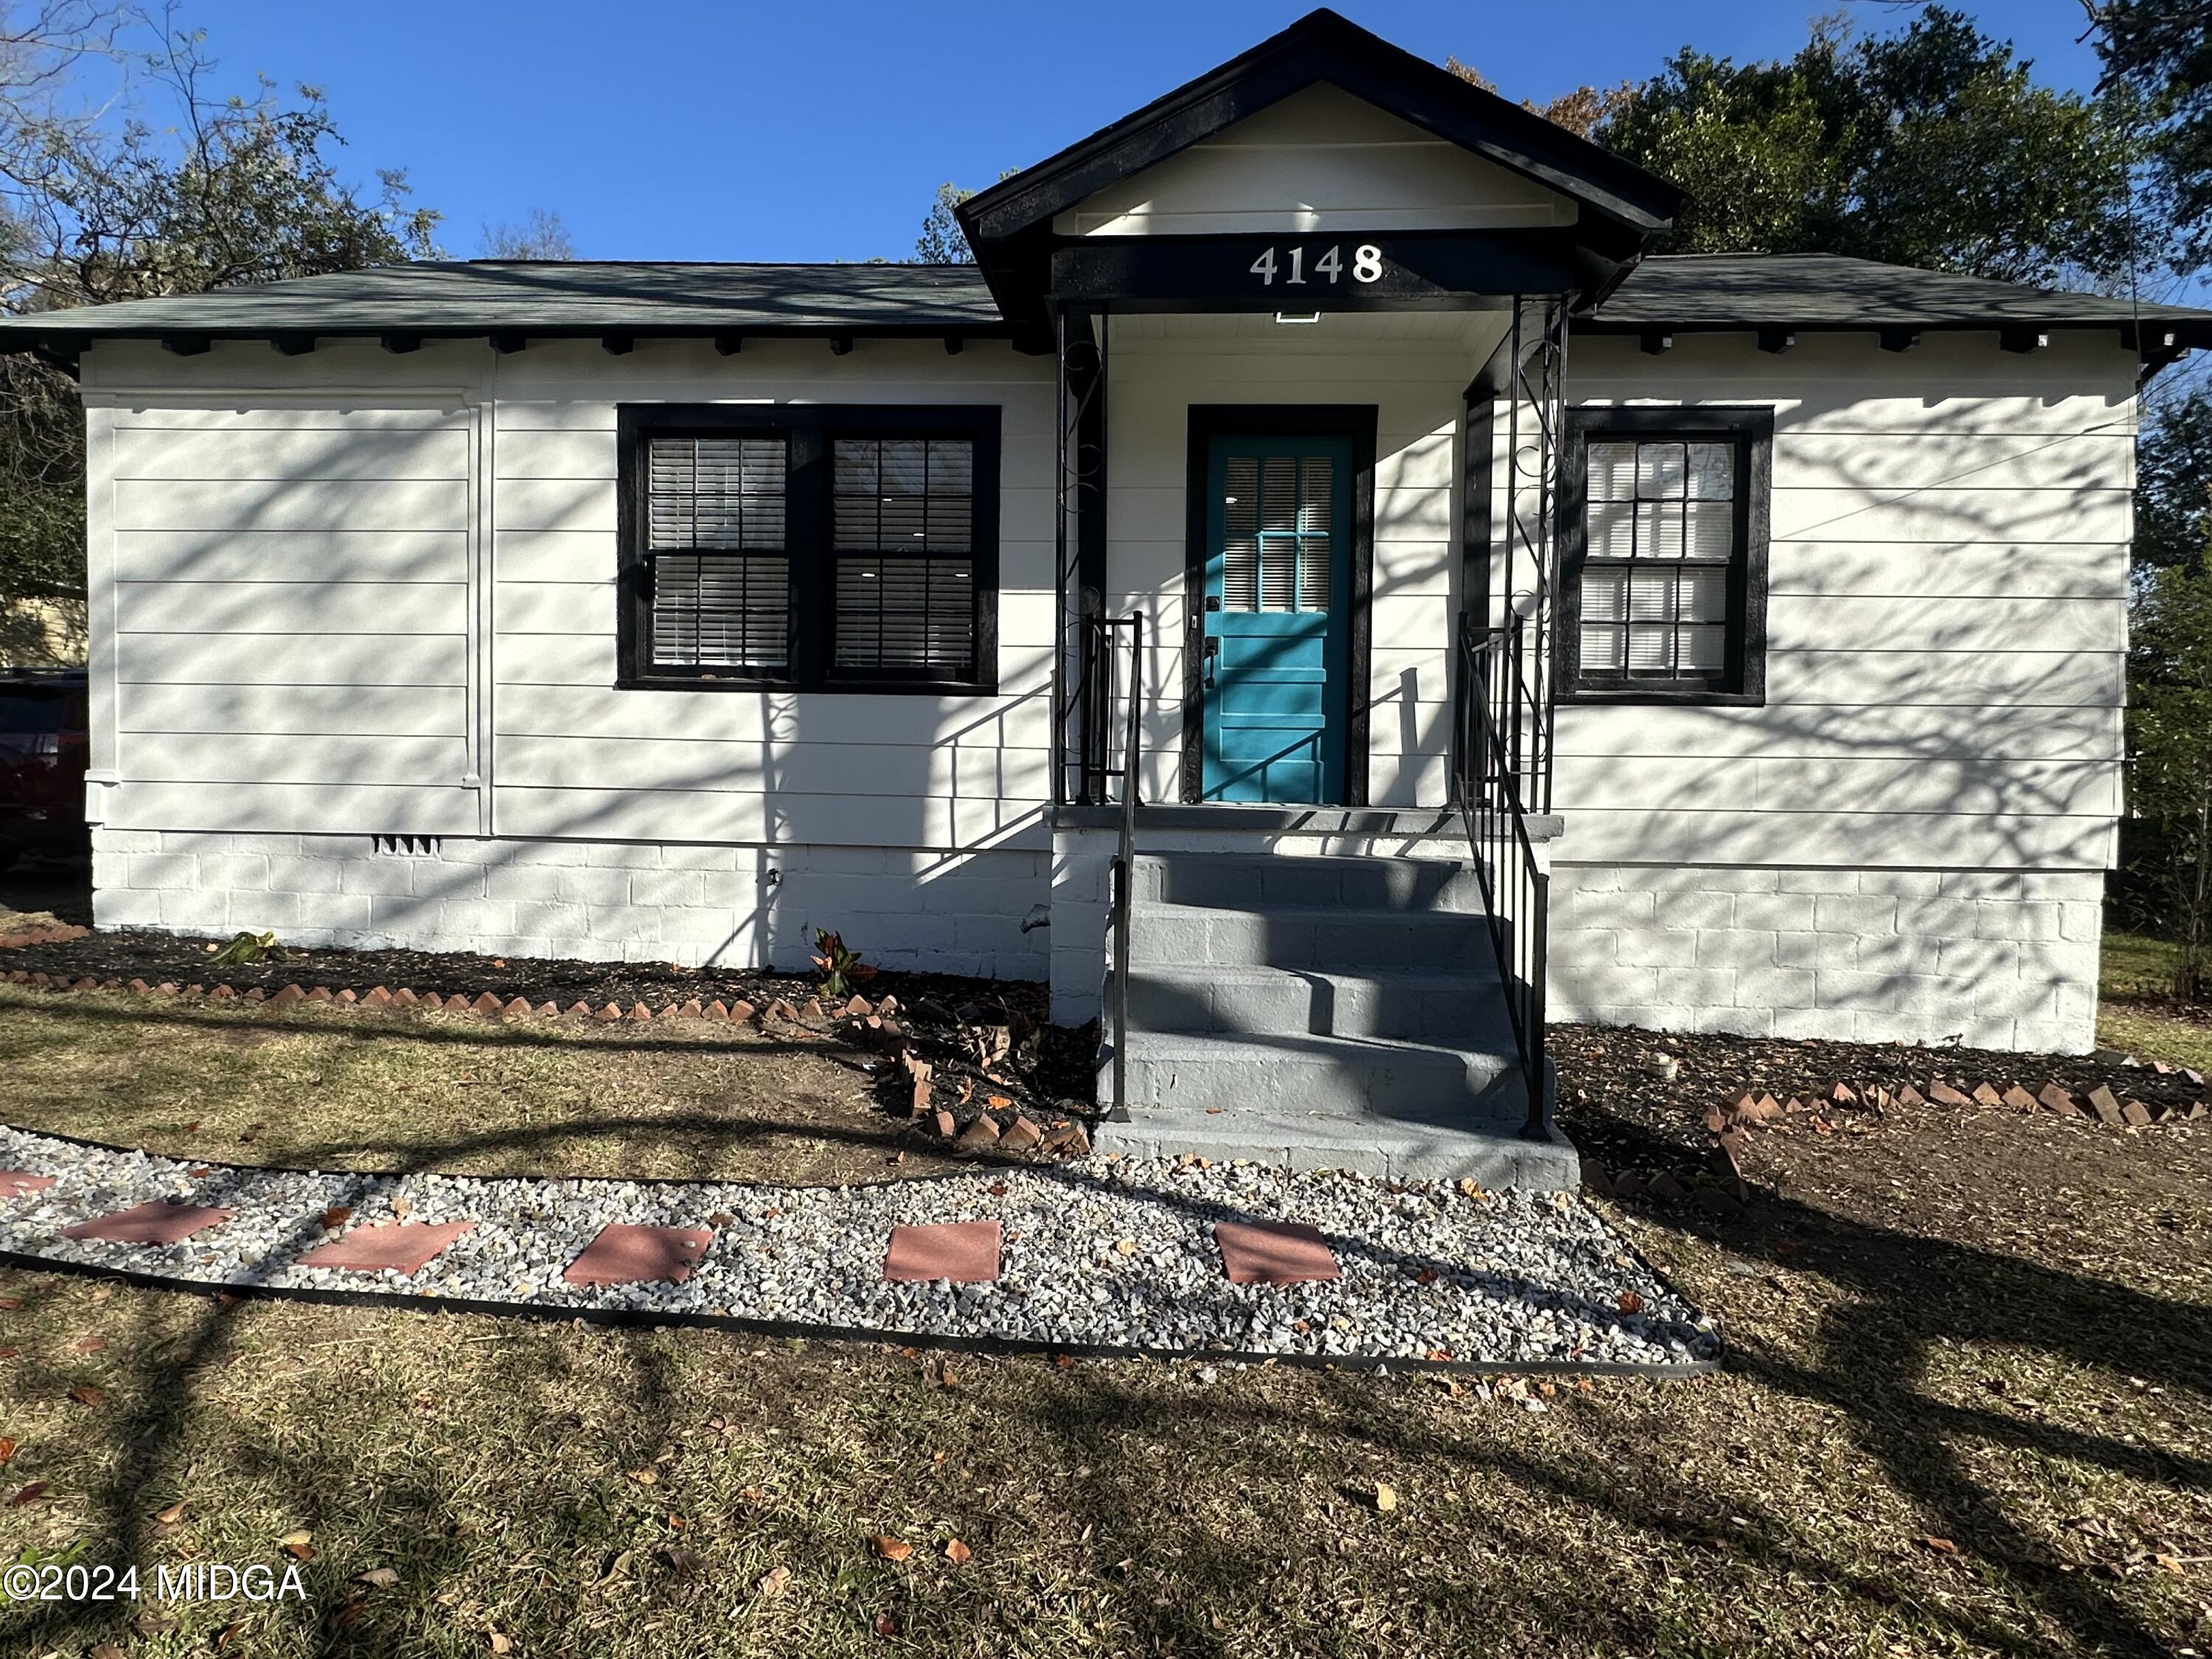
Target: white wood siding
1321,160
285,563
572,756
1946,617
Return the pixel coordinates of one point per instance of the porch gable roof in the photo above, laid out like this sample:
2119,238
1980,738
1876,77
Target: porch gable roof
1620,206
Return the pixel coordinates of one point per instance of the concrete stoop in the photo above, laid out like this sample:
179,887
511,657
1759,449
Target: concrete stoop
1322,1012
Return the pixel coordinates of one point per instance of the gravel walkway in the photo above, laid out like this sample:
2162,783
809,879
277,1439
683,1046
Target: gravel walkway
1107,1253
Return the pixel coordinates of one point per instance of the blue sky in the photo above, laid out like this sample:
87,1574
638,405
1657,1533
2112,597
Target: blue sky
745,130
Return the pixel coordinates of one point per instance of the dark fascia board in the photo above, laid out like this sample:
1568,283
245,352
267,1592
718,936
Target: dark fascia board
18,338
2188,334
1324,46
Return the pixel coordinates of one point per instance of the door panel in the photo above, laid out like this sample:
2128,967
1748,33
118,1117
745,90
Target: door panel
1276,619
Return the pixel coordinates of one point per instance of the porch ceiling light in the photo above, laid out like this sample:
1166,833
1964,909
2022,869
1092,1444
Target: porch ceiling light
1300,317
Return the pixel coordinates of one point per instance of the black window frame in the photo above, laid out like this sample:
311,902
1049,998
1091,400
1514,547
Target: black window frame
810,430
1751,428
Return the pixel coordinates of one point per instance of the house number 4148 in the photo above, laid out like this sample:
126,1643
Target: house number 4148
1366,266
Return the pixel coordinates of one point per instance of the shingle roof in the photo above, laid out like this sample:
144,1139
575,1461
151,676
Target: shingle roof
547,299
1697,291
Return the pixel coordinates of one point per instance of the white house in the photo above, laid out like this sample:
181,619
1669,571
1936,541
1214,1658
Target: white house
1726,643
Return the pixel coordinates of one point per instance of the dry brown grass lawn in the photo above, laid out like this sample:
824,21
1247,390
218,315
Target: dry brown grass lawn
1957,1417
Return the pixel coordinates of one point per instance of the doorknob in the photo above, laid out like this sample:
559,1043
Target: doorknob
1213,652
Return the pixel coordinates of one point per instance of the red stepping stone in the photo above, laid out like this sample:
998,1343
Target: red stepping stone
398,1247
965,1252
1274,1252
626,1255
150,1224
14,1183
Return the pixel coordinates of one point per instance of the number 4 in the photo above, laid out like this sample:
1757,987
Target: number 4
1330,265
1264,267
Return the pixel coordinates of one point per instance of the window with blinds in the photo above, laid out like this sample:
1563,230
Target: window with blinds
1664,533
1275,547
808,546
903,526
716,513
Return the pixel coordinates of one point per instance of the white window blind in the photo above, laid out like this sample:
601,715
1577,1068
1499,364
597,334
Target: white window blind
1276,532
715,541
903,529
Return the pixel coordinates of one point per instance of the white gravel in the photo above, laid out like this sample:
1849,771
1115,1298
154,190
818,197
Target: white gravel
1510,1278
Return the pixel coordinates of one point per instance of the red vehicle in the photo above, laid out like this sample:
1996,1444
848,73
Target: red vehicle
43,745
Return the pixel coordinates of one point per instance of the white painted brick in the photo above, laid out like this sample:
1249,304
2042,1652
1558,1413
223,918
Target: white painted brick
2021,921
265,912
1817,881
125,907
238,872
1898,953
1901,883
592,887
622,855
163,871
402,916
1665,947
1814,1024
667,888
1801,949
1736,948
1781,988
381,876
1981,884
1697,909
1587,878
296,874
1774,913
1842,914
698,858
194,912
105,840
337,911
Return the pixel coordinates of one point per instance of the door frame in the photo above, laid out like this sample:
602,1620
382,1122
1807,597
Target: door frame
1355,423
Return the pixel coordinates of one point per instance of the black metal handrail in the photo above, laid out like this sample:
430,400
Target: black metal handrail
1501,775
1102,669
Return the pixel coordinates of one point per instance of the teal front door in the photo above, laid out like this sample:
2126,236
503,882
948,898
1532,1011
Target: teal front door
1276,641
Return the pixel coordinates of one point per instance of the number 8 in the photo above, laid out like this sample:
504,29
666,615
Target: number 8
1367,263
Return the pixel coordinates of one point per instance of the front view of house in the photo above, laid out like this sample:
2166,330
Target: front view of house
1313,589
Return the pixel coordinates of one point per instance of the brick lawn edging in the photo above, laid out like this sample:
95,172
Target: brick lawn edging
998,1125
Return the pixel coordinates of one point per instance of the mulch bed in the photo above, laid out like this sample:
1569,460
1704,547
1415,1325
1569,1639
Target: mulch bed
1654,1105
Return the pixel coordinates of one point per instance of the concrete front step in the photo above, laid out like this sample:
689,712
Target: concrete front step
1386,1081
1284,881
1484,1147
1461,1010
1193,936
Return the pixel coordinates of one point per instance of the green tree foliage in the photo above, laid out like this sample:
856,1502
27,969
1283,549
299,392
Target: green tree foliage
1933,146
177,192
2170,761
2173,485
2161,50
942,242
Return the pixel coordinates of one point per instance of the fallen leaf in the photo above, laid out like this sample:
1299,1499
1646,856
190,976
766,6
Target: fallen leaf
958,1552
402,1208
30,1494
1125,1246
1631,1303
87,1345
1941,1546
885,1625
106,1650
890,1548
9,1304
6,1449
1386,1499
773,1583
644,1477
301,1551
171,1515
337,1215
85,1395
997,1100
377,1578
498,1643
230,1632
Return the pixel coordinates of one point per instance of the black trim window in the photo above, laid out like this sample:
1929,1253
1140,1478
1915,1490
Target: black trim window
1663,527
809,546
